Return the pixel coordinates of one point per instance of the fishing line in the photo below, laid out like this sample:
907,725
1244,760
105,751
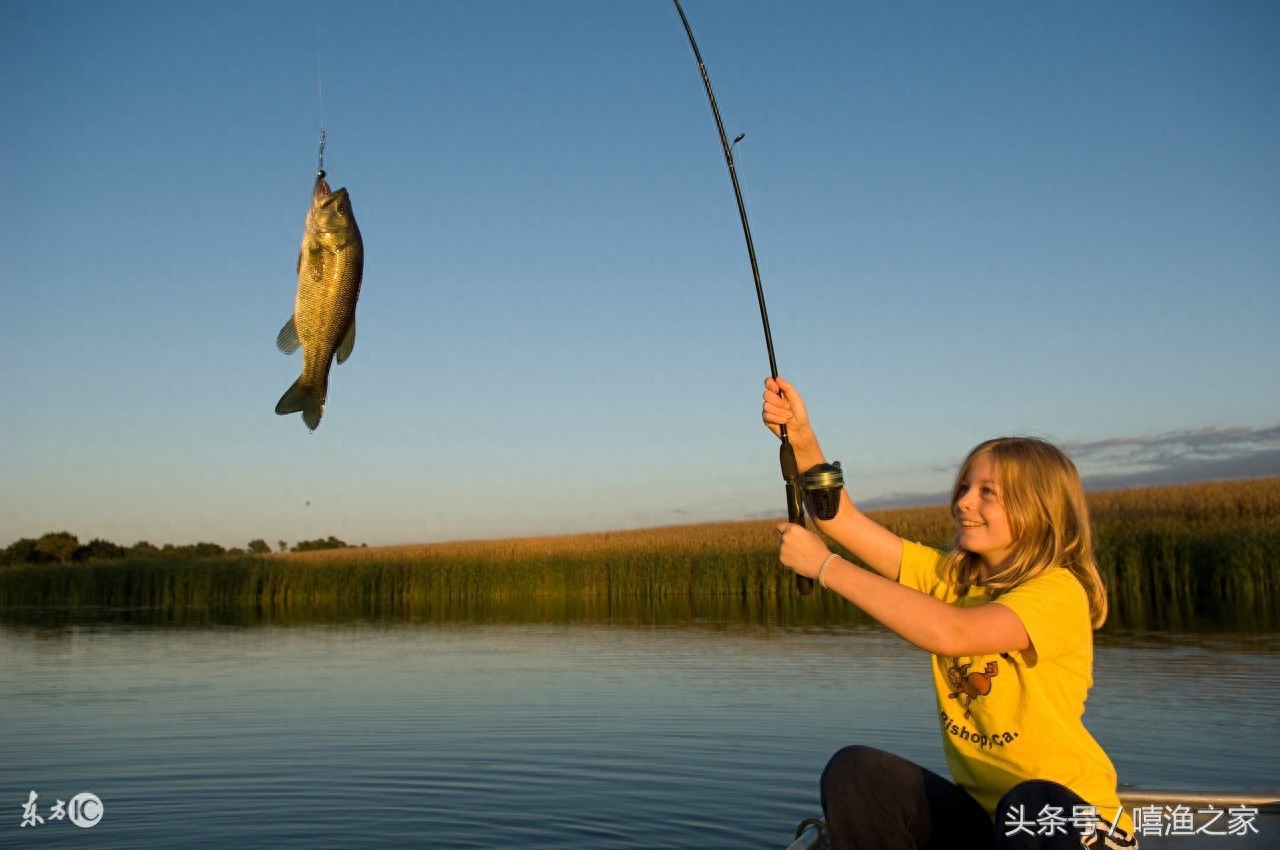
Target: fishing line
320,87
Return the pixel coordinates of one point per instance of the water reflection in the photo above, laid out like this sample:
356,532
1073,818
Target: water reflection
673,611
820,611
540,724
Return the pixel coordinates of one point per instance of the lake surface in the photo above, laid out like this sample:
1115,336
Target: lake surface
586,734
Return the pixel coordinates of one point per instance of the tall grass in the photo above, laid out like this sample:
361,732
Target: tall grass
1175,555
718,561
1171,556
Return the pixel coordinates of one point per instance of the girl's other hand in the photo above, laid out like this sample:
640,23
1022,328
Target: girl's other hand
801,550
783,406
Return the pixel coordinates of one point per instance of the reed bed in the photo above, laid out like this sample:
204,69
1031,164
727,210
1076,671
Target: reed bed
1172,556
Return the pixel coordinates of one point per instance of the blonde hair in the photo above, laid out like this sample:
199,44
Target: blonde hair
1041,493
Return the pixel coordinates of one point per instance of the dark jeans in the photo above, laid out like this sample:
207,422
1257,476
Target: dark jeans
875,800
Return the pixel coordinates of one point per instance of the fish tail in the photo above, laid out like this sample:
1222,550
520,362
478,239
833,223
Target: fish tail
305,399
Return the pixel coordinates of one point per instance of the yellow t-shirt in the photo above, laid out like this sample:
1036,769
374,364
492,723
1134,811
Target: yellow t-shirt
1004,720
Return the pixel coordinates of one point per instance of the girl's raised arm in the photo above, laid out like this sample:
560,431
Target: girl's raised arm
872,543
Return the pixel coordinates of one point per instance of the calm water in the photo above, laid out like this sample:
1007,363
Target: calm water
572,735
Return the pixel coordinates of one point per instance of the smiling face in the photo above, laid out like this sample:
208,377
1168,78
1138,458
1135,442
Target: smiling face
980,513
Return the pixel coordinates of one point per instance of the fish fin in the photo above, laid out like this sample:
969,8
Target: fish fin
287,340
307,400
348,342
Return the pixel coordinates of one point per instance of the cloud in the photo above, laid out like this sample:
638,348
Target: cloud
1204,441
1178,457
906,500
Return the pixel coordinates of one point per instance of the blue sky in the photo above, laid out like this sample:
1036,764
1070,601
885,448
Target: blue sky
971,219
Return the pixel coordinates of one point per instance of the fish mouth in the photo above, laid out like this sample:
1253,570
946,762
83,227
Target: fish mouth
321,189
331,197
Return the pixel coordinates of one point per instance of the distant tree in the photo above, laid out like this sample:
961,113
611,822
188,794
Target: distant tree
313,545
99,550
23,551
59,545
207,550
284,546
142,549
258,547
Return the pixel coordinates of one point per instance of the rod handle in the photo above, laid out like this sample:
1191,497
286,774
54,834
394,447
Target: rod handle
795,506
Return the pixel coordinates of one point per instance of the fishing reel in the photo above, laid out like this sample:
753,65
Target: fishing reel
821,486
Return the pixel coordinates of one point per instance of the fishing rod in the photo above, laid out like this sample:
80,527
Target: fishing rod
822,482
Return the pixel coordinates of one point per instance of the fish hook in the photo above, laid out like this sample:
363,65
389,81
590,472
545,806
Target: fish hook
320,167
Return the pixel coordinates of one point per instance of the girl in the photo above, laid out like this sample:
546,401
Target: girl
1007,615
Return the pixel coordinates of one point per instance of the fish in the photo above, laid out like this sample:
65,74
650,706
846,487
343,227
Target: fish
323,324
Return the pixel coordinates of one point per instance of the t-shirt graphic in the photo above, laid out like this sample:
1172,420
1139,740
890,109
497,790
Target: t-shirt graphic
969,686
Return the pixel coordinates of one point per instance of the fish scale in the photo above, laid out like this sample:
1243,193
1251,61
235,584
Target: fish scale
330,270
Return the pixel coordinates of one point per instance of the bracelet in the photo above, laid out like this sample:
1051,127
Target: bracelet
823,568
